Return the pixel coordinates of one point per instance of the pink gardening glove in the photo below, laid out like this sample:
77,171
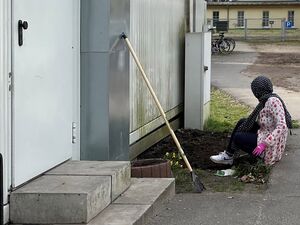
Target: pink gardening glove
259,149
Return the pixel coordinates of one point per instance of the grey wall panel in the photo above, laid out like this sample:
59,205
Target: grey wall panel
119,21
118,81
119,103
200,17
95,25
94,106
104,80
157,29
112,18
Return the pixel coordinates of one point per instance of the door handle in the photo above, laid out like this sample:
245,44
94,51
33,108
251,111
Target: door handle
21,25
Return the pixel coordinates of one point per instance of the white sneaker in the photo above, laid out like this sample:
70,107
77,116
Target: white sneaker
222,158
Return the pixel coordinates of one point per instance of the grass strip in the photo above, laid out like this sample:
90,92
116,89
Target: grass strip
225,111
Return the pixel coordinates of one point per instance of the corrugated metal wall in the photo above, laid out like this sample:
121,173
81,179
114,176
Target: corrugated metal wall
157,29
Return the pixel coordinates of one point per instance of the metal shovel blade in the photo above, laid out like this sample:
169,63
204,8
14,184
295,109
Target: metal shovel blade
199,187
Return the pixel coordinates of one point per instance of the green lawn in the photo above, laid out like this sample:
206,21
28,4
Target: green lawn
262,32
225,112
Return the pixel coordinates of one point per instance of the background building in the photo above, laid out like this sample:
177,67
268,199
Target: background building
259,14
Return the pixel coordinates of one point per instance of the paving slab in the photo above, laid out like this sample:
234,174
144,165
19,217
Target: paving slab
280,211
285,177
60,199
147,191
118,170
228,209
209,209
117,214
138,203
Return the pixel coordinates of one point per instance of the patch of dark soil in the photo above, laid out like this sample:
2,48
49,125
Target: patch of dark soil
197,145
278,58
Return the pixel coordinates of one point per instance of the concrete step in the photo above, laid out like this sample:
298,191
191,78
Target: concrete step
136,205
119,171
75,192
60,199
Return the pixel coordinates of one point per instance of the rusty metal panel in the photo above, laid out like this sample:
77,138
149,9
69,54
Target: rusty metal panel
157,29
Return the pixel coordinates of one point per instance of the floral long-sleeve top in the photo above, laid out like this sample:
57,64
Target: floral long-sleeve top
273,130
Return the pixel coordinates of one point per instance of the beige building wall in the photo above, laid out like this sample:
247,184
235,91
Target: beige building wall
254,14
222,12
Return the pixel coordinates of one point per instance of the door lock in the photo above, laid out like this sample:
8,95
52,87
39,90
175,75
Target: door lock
21,25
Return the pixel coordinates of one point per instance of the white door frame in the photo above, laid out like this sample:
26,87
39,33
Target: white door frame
6,96
76,84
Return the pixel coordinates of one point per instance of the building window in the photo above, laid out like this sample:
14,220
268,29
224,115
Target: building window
291,16
240,19
215,17
265,20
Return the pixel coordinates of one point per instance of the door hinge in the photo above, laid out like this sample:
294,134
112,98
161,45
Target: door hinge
74,129
10,81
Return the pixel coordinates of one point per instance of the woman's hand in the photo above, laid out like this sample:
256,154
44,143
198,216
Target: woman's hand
259,149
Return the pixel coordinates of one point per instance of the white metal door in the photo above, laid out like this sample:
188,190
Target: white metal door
43,83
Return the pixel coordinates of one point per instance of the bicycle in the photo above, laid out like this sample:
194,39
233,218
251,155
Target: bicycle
219,45
224,45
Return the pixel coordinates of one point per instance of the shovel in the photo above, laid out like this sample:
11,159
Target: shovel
199,187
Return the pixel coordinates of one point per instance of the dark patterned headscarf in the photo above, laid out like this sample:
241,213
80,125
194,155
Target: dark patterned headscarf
262,89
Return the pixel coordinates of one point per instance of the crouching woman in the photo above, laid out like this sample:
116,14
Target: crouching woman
264,133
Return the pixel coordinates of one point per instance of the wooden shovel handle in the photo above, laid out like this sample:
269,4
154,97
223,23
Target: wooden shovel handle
157,102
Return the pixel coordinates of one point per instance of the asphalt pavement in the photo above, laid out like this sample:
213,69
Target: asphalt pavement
227,75
280,203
